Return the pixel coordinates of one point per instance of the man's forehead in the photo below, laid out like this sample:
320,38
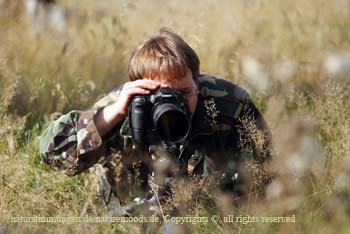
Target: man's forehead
179,83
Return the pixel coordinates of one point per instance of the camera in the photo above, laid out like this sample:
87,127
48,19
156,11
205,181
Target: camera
161,117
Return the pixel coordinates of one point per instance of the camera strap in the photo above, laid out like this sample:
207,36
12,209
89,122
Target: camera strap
194,161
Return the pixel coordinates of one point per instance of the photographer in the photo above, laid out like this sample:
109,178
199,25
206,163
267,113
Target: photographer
225,130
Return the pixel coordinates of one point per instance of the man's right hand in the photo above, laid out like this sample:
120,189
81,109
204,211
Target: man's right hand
112,114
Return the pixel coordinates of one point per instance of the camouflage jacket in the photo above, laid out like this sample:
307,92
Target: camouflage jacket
227,129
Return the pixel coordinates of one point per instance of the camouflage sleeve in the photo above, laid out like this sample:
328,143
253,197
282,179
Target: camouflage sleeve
72,142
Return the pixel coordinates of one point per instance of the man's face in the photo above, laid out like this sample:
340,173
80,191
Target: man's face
185,85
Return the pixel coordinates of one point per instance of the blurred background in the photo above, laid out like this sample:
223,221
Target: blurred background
292,56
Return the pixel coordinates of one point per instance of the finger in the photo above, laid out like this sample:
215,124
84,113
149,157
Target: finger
146,84
147,80
136,91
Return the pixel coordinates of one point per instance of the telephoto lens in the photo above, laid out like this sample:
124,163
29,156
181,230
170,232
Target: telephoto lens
171,122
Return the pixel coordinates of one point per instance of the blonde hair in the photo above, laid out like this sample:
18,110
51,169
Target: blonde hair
163,56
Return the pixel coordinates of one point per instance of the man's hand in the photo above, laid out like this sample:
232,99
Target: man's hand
130,89
112,114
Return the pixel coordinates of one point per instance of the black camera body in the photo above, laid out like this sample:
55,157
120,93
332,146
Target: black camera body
161,117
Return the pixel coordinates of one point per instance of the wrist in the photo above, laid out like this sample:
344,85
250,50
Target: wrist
108,117
113,113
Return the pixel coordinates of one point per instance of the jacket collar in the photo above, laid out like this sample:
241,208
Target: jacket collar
200,121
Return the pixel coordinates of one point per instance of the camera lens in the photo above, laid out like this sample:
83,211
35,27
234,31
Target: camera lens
171,123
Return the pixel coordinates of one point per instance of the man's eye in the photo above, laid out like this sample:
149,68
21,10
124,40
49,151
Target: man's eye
186,92
189,93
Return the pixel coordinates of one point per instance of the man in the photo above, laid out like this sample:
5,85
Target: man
228,137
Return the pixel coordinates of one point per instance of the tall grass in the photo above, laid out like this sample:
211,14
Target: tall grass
292,57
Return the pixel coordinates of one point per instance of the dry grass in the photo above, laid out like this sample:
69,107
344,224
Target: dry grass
292,56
